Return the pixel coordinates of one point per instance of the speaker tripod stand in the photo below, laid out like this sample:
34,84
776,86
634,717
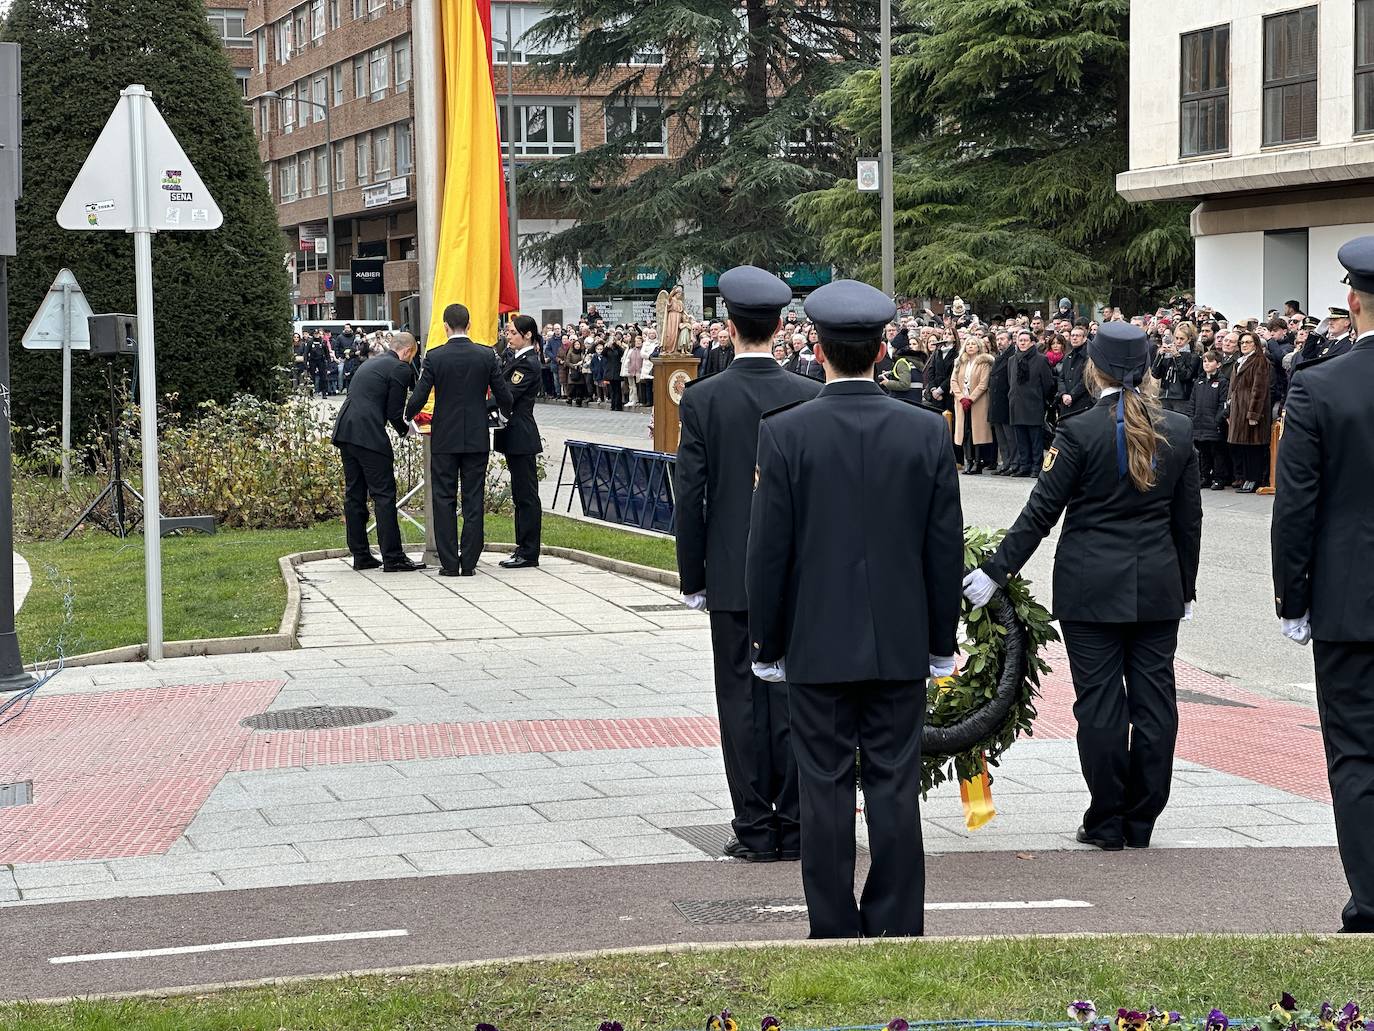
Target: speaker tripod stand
118,521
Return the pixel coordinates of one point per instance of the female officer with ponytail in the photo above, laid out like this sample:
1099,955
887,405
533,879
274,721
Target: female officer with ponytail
1124,575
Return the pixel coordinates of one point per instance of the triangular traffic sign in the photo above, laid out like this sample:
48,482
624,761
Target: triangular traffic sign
45,331
102,197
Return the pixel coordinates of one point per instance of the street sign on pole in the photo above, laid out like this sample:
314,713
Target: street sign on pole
61,323
137,179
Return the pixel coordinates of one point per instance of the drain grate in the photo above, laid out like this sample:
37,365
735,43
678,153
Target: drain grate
316,717
742,911
710,838
1198,698
674,607
16,794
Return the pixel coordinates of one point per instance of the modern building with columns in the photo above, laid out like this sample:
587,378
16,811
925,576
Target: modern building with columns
1261,111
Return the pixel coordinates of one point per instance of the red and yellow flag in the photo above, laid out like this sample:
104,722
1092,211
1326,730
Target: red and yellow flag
473,265
976,795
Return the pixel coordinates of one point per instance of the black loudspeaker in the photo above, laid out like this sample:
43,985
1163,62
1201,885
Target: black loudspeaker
113,335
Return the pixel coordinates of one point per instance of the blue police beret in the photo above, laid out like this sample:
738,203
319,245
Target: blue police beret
847,311
1122,351
1358,258
751,292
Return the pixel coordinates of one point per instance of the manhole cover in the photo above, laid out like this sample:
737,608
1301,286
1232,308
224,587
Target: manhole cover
1198,698
316,717
675,607
711,837
742,911
16,794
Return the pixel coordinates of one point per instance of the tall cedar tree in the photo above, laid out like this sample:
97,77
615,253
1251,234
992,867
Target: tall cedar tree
221,297
738,83
1010,125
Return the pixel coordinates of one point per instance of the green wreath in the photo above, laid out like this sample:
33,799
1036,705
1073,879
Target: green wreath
991,701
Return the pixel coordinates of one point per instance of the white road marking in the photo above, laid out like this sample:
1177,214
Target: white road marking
1034,904
260,943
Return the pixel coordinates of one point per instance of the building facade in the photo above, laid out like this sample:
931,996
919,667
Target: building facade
1262,111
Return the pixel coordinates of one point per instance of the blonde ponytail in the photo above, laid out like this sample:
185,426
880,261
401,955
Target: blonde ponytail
1143,416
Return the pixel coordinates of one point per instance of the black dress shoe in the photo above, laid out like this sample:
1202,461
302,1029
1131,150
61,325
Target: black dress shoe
519,562
450,572
407,566
366,563
1105,844
1137,844
1248,487
734,850
789,855
1218,486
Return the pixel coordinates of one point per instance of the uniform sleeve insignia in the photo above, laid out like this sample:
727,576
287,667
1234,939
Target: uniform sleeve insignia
1050,456
517,377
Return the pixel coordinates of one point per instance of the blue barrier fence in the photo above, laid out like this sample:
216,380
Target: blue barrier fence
619,484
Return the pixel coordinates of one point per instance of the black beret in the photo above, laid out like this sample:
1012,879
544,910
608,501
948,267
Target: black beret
753,293
847,311
1122,351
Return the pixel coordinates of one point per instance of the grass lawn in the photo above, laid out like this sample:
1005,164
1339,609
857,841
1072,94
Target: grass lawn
88,593
1028,979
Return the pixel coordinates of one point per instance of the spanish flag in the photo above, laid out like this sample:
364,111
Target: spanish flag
976,795
472,265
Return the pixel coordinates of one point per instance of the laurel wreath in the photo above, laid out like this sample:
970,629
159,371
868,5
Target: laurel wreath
990,702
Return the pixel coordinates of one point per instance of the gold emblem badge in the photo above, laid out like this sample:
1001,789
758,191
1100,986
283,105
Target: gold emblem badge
518,377
677,383
1050,456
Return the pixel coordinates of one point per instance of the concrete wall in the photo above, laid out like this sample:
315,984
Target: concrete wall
537,293
1324,272
1230,274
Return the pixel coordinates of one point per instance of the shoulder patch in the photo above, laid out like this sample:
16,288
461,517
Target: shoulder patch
1050,456
785,408
517,377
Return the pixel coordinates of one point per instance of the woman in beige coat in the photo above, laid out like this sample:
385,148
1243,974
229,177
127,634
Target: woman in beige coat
969,388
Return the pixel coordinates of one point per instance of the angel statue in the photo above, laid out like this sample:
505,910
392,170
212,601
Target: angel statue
674,331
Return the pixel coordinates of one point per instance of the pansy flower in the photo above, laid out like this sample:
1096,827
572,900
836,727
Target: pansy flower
770,1023
485,1027
897,1024
1326,1016
1218,1021
721,1021
1084,1011
1131,1020
611,1025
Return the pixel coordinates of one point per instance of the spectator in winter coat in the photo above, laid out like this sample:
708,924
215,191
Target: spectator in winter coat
1073,396
938,371
1210,391
969,390
1176,367
1248,421
999,405
1030,389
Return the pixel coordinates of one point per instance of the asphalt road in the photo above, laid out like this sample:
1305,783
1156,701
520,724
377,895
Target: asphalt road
492,916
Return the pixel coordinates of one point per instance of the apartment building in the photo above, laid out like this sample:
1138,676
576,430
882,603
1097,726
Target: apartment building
1261,111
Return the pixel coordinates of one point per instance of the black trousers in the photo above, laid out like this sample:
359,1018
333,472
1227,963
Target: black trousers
370,473
882,720
1127,712
1345,703
1251,462
1211,460
524,492
755,740
617,395
449,471
1030,447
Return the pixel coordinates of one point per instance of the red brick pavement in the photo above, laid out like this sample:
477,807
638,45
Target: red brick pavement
122,773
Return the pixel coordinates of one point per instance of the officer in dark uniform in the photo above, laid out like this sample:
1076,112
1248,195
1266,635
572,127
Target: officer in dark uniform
854,625
1124,575
1335,342
519,439
1324,566
714,487
376,399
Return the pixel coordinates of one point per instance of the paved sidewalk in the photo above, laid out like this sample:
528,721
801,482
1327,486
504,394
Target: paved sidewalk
543,719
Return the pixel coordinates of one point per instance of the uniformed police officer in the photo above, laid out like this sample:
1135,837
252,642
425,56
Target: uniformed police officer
853,624
1333,343
714,487
1124,575
519,439
1323,558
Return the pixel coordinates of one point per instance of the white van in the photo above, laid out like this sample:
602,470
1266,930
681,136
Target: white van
360,327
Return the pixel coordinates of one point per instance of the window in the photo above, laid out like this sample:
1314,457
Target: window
322,170
405,148
542,128
282,31
267,174
306,174
400,54
359,77
317,19
650,55
523,17
337,75
375,8
1364,65
300,28
378,74
288,112
381,153
319,96
339,179
287,180
643,120
1204,114
334,13
364,158
241,76
228,23
1290,77
260,42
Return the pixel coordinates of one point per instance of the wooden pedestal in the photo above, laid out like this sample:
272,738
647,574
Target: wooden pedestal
672,373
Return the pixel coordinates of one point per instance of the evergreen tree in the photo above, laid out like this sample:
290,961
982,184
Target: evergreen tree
221,296
1010,123
737,83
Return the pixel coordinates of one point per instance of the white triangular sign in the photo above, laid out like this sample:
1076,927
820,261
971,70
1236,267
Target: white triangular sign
103,195
45,331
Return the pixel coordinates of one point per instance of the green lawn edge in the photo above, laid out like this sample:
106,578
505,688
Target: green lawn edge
1002,978
88,593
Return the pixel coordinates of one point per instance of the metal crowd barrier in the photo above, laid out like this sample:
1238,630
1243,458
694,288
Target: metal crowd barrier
619,485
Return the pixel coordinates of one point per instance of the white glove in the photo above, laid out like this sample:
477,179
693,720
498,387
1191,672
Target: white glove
1300,629
942,665
695,601
771,672
1187,611
979,588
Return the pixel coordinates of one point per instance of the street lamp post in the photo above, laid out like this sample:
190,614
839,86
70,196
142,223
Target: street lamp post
887,199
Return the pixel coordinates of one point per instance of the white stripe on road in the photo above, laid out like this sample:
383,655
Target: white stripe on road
260,943
1034,904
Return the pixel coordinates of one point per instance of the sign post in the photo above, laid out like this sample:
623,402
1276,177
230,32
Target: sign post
138,180
61,322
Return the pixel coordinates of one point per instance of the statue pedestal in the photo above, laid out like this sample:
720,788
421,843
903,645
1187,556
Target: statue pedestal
672,373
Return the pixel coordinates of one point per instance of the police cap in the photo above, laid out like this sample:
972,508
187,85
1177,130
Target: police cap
752,293
1338,313
1357,257
850,312
1121,350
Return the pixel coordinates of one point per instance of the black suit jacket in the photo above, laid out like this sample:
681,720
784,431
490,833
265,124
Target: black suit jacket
1123,556
460,373
842,478
521,435
376,396
713,481
1322,537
